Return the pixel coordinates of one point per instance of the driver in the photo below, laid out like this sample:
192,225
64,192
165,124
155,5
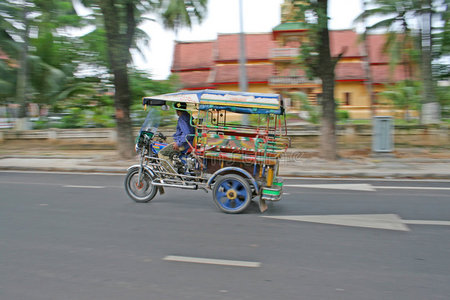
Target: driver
181,137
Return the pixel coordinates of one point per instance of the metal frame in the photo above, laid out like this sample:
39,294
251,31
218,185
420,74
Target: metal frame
255,149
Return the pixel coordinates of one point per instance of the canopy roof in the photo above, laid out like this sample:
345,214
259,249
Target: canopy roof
240,102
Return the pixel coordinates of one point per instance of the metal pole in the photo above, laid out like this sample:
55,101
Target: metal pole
366,64
243,84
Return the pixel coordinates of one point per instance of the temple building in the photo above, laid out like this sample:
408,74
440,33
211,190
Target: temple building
272,65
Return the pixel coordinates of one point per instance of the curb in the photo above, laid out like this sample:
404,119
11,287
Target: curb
306,174
87,164
111,170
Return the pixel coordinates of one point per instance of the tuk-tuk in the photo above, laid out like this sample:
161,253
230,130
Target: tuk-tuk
236,162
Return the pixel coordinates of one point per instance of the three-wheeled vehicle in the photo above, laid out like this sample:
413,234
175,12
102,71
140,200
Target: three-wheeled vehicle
236,162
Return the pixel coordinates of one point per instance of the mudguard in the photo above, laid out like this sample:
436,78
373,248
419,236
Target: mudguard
233,170
145,168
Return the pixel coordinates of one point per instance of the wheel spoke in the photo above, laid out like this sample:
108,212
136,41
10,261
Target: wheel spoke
228,203
229,184
242,193
220,195
238,202
225,186
236,185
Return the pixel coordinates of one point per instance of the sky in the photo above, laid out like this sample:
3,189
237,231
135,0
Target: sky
223,17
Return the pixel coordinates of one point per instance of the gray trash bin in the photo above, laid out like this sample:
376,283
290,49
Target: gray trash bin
382,137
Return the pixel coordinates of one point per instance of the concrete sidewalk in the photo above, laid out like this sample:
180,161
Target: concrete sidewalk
293,164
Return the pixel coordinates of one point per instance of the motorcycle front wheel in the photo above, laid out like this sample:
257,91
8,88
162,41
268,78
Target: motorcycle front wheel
141,191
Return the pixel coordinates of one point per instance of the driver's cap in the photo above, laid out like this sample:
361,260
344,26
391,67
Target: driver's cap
180,105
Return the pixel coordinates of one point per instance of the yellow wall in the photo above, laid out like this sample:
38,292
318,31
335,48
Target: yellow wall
260,88
357,90
359,107
253,88
228,87
360,100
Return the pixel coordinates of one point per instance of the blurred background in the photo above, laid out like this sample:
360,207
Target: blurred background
77,64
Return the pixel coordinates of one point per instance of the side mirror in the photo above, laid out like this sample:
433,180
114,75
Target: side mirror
165,107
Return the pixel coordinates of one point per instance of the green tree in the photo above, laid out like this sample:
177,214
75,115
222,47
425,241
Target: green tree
443,95
33,35
7,78
395,17
404,95
399,16
316,57
15,17
120,20
442,37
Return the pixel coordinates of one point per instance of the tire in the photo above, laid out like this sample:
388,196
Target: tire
143,193
232,194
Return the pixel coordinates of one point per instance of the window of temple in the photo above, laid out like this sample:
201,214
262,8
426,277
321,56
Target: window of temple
347,98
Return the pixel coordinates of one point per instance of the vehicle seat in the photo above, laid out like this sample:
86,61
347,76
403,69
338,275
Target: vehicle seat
186,151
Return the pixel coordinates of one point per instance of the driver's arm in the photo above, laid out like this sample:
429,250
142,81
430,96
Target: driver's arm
182,132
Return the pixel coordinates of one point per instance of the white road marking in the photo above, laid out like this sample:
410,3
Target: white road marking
84,186
29,183
378,221
412,188
427,222
221,262
352,187
65,173
364,187
59,184
365,179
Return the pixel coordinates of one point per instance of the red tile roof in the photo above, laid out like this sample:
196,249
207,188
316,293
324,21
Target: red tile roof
257,46
203,59
349,71
344,40
192,55
384,74
376,46
292,72
343,71
195,79
255,73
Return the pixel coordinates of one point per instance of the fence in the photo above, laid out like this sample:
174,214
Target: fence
301,136
88,134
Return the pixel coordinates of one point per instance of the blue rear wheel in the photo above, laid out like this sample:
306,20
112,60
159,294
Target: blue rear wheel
232,193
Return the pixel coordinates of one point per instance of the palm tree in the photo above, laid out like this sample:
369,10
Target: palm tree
398,16
120,22
430,109
46,17
405,95
7,78
14,13
395,16
316,56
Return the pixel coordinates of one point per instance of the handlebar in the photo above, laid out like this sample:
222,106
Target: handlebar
162,136
145,138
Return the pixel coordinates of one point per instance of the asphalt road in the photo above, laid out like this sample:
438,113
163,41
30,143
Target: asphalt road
72,236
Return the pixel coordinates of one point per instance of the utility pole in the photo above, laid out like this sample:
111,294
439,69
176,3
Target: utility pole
243,83
431,113
366,64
